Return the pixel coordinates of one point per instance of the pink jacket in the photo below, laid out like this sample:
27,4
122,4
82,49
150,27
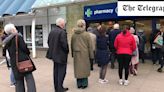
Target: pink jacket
125,44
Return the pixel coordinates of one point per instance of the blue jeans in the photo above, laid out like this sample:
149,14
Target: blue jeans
12,78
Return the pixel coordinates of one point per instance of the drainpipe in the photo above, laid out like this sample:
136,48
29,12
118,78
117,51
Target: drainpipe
33,38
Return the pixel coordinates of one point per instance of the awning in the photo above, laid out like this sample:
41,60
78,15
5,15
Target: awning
13,7
1,2
26,7
49,3
5,4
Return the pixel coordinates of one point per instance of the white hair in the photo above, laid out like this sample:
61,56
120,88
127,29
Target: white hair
9,28
116,26
59,21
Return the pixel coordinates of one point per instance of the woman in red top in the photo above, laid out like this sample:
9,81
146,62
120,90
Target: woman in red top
125,45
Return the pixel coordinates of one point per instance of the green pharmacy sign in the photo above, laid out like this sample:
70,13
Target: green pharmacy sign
89,12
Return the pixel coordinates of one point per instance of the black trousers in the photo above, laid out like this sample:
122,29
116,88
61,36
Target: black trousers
123,61
156,55
142,56
113,59
59,76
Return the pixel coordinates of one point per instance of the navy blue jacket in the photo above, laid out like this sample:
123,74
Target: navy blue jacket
112,36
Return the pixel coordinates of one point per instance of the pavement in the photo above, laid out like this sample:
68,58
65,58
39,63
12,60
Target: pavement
147,80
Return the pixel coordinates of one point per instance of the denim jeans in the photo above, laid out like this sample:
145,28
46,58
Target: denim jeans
12,78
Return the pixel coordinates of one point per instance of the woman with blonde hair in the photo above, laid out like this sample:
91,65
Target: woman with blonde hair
82,52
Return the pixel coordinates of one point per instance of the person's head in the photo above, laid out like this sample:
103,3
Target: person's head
126,28
162,29
10,29
81,23
116,26
110,24
60,22
102,29
132,30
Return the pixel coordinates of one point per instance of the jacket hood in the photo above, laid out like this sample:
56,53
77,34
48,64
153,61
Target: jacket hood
79,30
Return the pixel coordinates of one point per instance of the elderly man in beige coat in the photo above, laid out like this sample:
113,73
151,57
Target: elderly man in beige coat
82,52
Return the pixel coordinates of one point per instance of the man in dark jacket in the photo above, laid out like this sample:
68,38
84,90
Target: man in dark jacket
58,52
112,35
141,45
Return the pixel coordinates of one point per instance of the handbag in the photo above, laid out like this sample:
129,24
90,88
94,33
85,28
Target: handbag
158,40
134,53
23,66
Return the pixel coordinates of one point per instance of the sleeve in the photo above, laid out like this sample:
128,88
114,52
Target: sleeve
116,43
137,39
133,44
64,42
90,47
22,45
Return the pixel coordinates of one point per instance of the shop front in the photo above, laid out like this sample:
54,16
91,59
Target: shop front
107,14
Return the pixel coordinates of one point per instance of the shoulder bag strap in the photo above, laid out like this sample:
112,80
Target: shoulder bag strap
16,42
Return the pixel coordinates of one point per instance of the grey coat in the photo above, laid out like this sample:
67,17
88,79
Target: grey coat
82,52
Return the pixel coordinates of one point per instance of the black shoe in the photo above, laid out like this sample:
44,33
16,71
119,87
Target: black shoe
79,87
83,87
65,89
159,70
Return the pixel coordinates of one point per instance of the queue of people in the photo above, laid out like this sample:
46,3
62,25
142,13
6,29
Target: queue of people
95,46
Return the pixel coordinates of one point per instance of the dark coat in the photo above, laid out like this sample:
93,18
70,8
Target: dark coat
58,46
142,41
102,53
112,36
23,54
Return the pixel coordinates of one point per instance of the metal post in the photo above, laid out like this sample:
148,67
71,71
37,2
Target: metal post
33,38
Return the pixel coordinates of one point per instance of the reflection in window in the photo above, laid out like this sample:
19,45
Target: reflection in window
38,35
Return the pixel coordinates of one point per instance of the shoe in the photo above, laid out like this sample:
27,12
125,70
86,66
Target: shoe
159,70
103,81
135,72
126,82
65,89
12,85
84,87
121,82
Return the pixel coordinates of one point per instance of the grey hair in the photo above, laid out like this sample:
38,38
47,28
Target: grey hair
59,21
116,26
9,27
81,23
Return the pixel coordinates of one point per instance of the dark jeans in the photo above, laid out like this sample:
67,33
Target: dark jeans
162,61
82,82
59,75
103,70
156,55
20,86
123,61
142,56
113,58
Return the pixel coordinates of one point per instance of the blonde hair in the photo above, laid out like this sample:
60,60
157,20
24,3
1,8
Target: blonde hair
81,23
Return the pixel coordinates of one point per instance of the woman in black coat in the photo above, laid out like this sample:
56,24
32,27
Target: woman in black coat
23,54
102,53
